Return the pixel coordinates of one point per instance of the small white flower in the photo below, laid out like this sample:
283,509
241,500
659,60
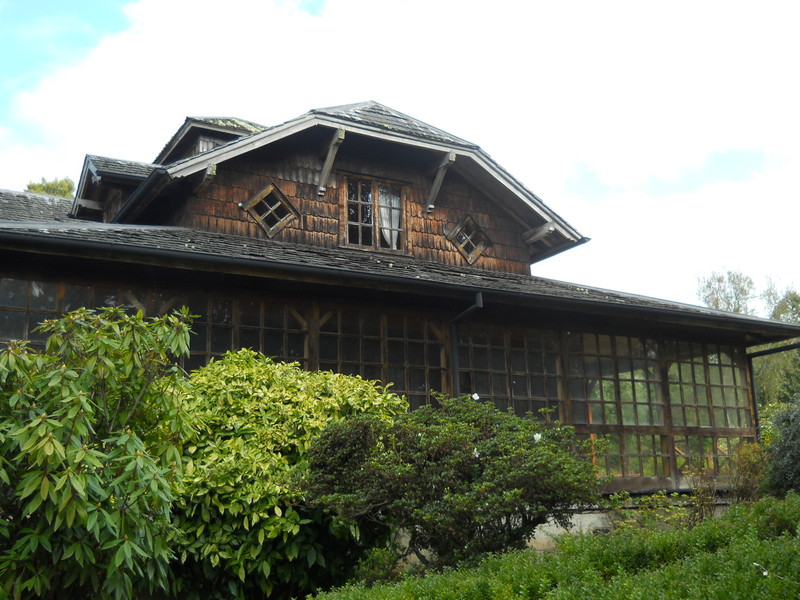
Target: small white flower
475,396
537,437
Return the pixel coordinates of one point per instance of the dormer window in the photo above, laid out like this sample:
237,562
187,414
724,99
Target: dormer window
206,143
374,215
469,238
271,209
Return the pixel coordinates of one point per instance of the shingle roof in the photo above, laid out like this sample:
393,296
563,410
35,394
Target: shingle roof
377,115
338,264
227,125
232,124
122,168
33,208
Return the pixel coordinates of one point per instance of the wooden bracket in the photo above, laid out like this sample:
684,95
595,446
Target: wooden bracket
333,148
447,161
208,176
539,233
88,204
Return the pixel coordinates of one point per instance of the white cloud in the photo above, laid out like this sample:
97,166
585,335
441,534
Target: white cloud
630,90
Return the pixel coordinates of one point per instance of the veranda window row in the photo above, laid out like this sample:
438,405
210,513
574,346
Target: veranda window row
653,399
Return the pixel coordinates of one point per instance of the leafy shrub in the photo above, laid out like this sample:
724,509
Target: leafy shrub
752,551
461,480
90,434
656,511
784,451
245,529
748,471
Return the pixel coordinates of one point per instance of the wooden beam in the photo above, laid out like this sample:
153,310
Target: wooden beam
539,233
89,204
447,161
333,148
208,176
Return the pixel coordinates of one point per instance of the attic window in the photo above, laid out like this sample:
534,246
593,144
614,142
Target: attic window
469,238
374,215
271,209
205,143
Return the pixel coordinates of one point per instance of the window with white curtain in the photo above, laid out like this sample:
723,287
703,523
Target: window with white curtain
374,214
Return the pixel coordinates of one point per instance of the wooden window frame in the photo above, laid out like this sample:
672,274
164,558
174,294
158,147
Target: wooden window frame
351,229
271,209
470,239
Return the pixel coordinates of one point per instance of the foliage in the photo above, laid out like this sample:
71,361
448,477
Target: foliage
63,188
90,433
246,531
752,551
657,511
732,291
703,484
777,376
784,451
748,471
461,480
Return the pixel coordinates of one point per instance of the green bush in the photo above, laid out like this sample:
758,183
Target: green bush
90,433
750,552
748,472
246,532
461,480
784,450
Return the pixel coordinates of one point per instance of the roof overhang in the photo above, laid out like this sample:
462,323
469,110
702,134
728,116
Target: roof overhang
176,250
470,162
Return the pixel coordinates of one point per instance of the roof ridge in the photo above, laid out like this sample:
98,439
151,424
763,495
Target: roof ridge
390,119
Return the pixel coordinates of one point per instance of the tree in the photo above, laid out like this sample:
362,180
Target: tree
731,291
784,450
90,434
62,188
774,374
246,530
461,480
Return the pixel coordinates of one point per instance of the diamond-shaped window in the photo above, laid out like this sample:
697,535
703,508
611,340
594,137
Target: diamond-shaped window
470,239
271,209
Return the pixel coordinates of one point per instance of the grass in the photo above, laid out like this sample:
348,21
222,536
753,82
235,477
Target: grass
752,551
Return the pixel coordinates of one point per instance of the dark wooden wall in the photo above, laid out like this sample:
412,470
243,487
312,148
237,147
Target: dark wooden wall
216,208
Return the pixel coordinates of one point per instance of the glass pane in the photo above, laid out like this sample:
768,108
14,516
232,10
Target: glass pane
250,338
397,353
372,350
12,325
76,296
12,292
43,295
222,312
328,347
296,343
273,343
250,313
197,342
221,339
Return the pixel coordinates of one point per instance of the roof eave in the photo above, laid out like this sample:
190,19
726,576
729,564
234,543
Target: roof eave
752,331
141,198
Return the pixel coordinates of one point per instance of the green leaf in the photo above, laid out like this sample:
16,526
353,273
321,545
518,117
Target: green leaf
44,489
119,556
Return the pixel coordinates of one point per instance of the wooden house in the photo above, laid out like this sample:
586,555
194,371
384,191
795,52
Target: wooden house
361,240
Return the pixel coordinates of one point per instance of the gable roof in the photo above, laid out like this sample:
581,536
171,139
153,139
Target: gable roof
374,121
374,114
26,207
101,170
182,249
229,127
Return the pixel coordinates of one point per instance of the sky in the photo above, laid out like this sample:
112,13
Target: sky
667,132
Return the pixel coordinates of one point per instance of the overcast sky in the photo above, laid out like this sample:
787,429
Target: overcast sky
668,132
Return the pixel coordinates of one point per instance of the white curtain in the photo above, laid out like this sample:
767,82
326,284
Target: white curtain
389,212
